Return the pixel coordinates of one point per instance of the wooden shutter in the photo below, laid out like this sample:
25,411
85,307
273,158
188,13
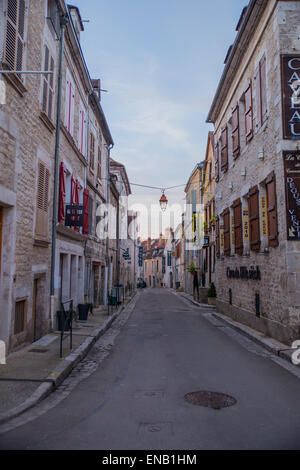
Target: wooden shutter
15,29
217,169
272,210
218,237
224,150
92,151
86,206
248,113
226,218
82,131
41,226
99,168
235,132
62,194
238,227
254,219
69,104
263,84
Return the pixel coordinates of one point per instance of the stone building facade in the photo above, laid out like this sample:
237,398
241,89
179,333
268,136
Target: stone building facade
28,118
258,243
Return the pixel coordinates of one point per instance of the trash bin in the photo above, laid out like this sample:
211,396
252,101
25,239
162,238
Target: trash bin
177,285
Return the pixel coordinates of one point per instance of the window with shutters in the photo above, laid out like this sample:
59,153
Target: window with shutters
92,151
261,92
224,150
53,16
226,220
235,135
48,85
41,226
15,34
238,226
272,210
253,203
218,237
69,103
248,113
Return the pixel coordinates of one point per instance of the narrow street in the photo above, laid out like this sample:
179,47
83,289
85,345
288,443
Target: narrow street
129,391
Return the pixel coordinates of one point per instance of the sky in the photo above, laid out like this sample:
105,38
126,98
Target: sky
161,62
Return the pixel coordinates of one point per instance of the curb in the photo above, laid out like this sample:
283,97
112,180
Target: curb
285,354
61,372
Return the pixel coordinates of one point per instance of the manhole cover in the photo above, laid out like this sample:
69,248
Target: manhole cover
213,400
36,350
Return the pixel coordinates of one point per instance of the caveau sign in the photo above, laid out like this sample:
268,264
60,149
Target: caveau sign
244,273
292,190
290,84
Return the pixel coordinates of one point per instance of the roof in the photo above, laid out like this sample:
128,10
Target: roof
198,167
121,167
246,27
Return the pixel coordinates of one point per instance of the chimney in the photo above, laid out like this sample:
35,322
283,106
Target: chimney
97,88
149,244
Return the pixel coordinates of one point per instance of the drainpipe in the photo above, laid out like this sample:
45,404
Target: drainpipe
63,23
109,147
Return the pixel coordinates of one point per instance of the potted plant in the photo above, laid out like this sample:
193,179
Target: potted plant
192,269
212,294
213,221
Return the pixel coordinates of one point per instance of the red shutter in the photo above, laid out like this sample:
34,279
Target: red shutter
224,149
235,132
62,194
254,219
272,210
238,227
86,202
248,114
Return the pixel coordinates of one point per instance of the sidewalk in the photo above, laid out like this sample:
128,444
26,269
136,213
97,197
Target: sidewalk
272,345
35,371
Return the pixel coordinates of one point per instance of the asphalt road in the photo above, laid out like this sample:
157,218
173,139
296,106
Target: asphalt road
129,392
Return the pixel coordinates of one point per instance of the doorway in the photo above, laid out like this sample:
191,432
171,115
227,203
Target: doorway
39,324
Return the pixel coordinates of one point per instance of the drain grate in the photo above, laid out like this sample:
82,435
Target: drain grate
213,400
37,350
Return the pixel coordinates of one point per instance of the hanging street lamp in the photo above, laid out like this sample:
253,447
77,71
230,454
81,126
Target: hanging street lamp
163,202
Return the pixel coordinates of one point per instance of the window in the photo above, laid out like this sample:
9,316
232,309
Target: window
92,152
41,226
248,113
224,150
226,218
15,34
238,227
235,132
254,219
53,15
48,85
261,92
272,210
20,316
69,104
